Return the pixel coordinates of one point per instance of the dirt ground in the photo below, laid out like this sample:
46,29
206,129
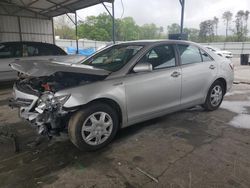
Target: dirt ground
191,148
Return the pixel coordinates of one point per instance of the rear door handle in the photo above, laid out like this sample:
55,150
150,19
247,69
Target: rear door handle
212,67
175,74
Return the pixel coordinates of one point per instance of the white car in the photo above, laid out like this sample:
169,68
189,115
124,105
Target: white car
220,52
13,51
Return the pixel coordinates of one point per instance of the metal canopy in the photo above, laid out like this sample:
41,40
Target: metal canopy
44,8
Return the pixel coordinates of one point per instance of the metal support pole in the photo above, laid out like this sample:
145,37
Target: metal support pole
182,2
113,19
19,28
113,22
53,31
77,48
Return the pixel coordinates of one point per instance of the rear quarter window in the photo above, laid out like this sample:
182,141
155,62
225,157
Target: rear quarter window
189,54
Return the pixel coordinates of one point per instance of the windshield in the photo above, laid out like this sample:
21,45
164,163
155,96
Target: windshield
114,57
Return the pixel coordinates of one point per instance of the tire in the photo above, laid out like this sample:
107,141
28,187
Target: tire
211,104
87,123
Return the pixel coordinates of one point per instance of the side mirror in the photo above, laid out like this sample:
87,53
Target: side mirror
143,67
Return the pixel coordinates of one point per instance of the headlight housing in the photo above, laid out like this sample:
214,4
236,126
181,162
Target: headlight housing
50,102
61,99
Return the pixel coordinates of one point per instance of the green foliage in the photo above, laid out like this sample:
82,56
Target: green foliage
174,28
227,17
65,32
241,29
100,28
207,31
64,27
127,29
149,31
96,28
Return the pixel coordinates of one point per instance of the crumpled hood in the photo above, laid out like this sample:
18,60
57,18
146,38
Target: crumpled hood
40,68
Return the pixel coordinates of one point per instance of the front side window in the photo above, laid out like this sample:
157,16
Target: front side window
189,54
160,57
114,57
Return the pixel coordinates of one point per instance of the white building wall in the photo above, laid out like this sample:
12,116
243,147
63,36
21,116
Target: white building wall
30,29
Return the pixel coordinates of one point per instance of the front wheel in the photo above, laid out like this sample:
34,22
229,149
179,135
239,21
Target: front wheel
93,127
214,96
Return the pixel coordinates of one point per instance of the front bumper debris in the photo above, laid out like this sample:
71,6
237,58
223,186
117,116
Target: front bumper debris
43,112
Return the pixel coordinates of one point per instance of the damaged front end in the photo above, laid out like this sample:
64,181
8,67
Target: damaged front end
43,111
35,96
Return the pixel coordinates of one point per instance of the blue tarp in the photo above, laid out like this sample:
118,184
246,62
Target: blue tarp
85,52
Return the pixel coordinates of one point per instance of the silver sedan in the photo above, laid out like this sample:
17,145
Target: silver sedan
119,86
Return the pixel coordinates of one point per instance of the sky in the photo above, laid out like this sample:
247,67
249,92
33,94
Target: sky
166,12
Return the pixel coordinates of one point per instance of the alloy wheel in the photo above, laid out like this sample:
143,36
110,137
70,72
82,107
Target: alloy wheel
97,128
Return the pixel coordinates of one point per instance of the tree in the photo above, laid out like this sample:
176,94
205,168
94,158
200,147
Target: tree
227,17
241,30
174,28
193,34
148,31
207,31
64,27
96,28
246,22
216,22
127,29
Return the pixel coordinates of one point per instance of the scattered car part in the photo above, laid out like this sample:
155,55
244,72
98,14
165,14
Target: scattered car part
10,134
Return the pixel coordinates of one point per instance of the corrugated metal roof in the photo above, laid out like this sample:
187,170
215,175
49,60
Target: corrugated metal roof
44,8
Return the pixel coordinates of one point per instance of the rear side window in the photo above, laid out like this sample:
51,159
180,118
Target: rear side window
160,57
58,51
49,49
189,54
10,51
30,50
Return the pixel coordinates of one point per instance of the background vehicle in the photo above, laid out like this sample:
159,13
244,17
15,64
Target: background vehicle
222,53
119,86
11,51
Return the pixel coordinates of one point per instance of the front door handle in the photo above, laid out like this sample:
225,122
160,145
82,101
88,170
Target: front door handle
175,74
212,67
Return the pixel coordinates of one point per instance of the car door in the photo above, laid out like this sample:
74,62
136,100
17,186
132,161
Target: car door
149,94
198,71
8,54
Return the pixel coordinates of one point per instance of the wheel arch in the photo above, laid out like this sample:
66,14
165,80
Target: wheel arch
112,103
223,81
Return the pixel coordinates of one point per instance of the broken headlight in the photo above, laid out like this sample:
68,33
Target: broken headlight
61,99
49,102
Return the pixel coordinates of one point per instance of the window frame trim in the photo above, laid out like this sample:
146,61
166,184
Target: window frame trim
211,59
154,70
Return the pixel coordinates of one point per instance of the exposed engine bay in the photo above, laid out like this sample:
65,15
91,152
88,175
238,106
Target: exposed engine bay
35,97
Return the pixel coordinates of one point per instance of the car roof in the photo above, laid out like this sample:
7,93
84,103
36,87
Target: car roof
150,42
24,42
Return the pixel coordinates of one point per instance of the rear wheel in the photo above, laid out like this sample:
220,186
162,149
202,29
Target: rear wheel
214,96
93,127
